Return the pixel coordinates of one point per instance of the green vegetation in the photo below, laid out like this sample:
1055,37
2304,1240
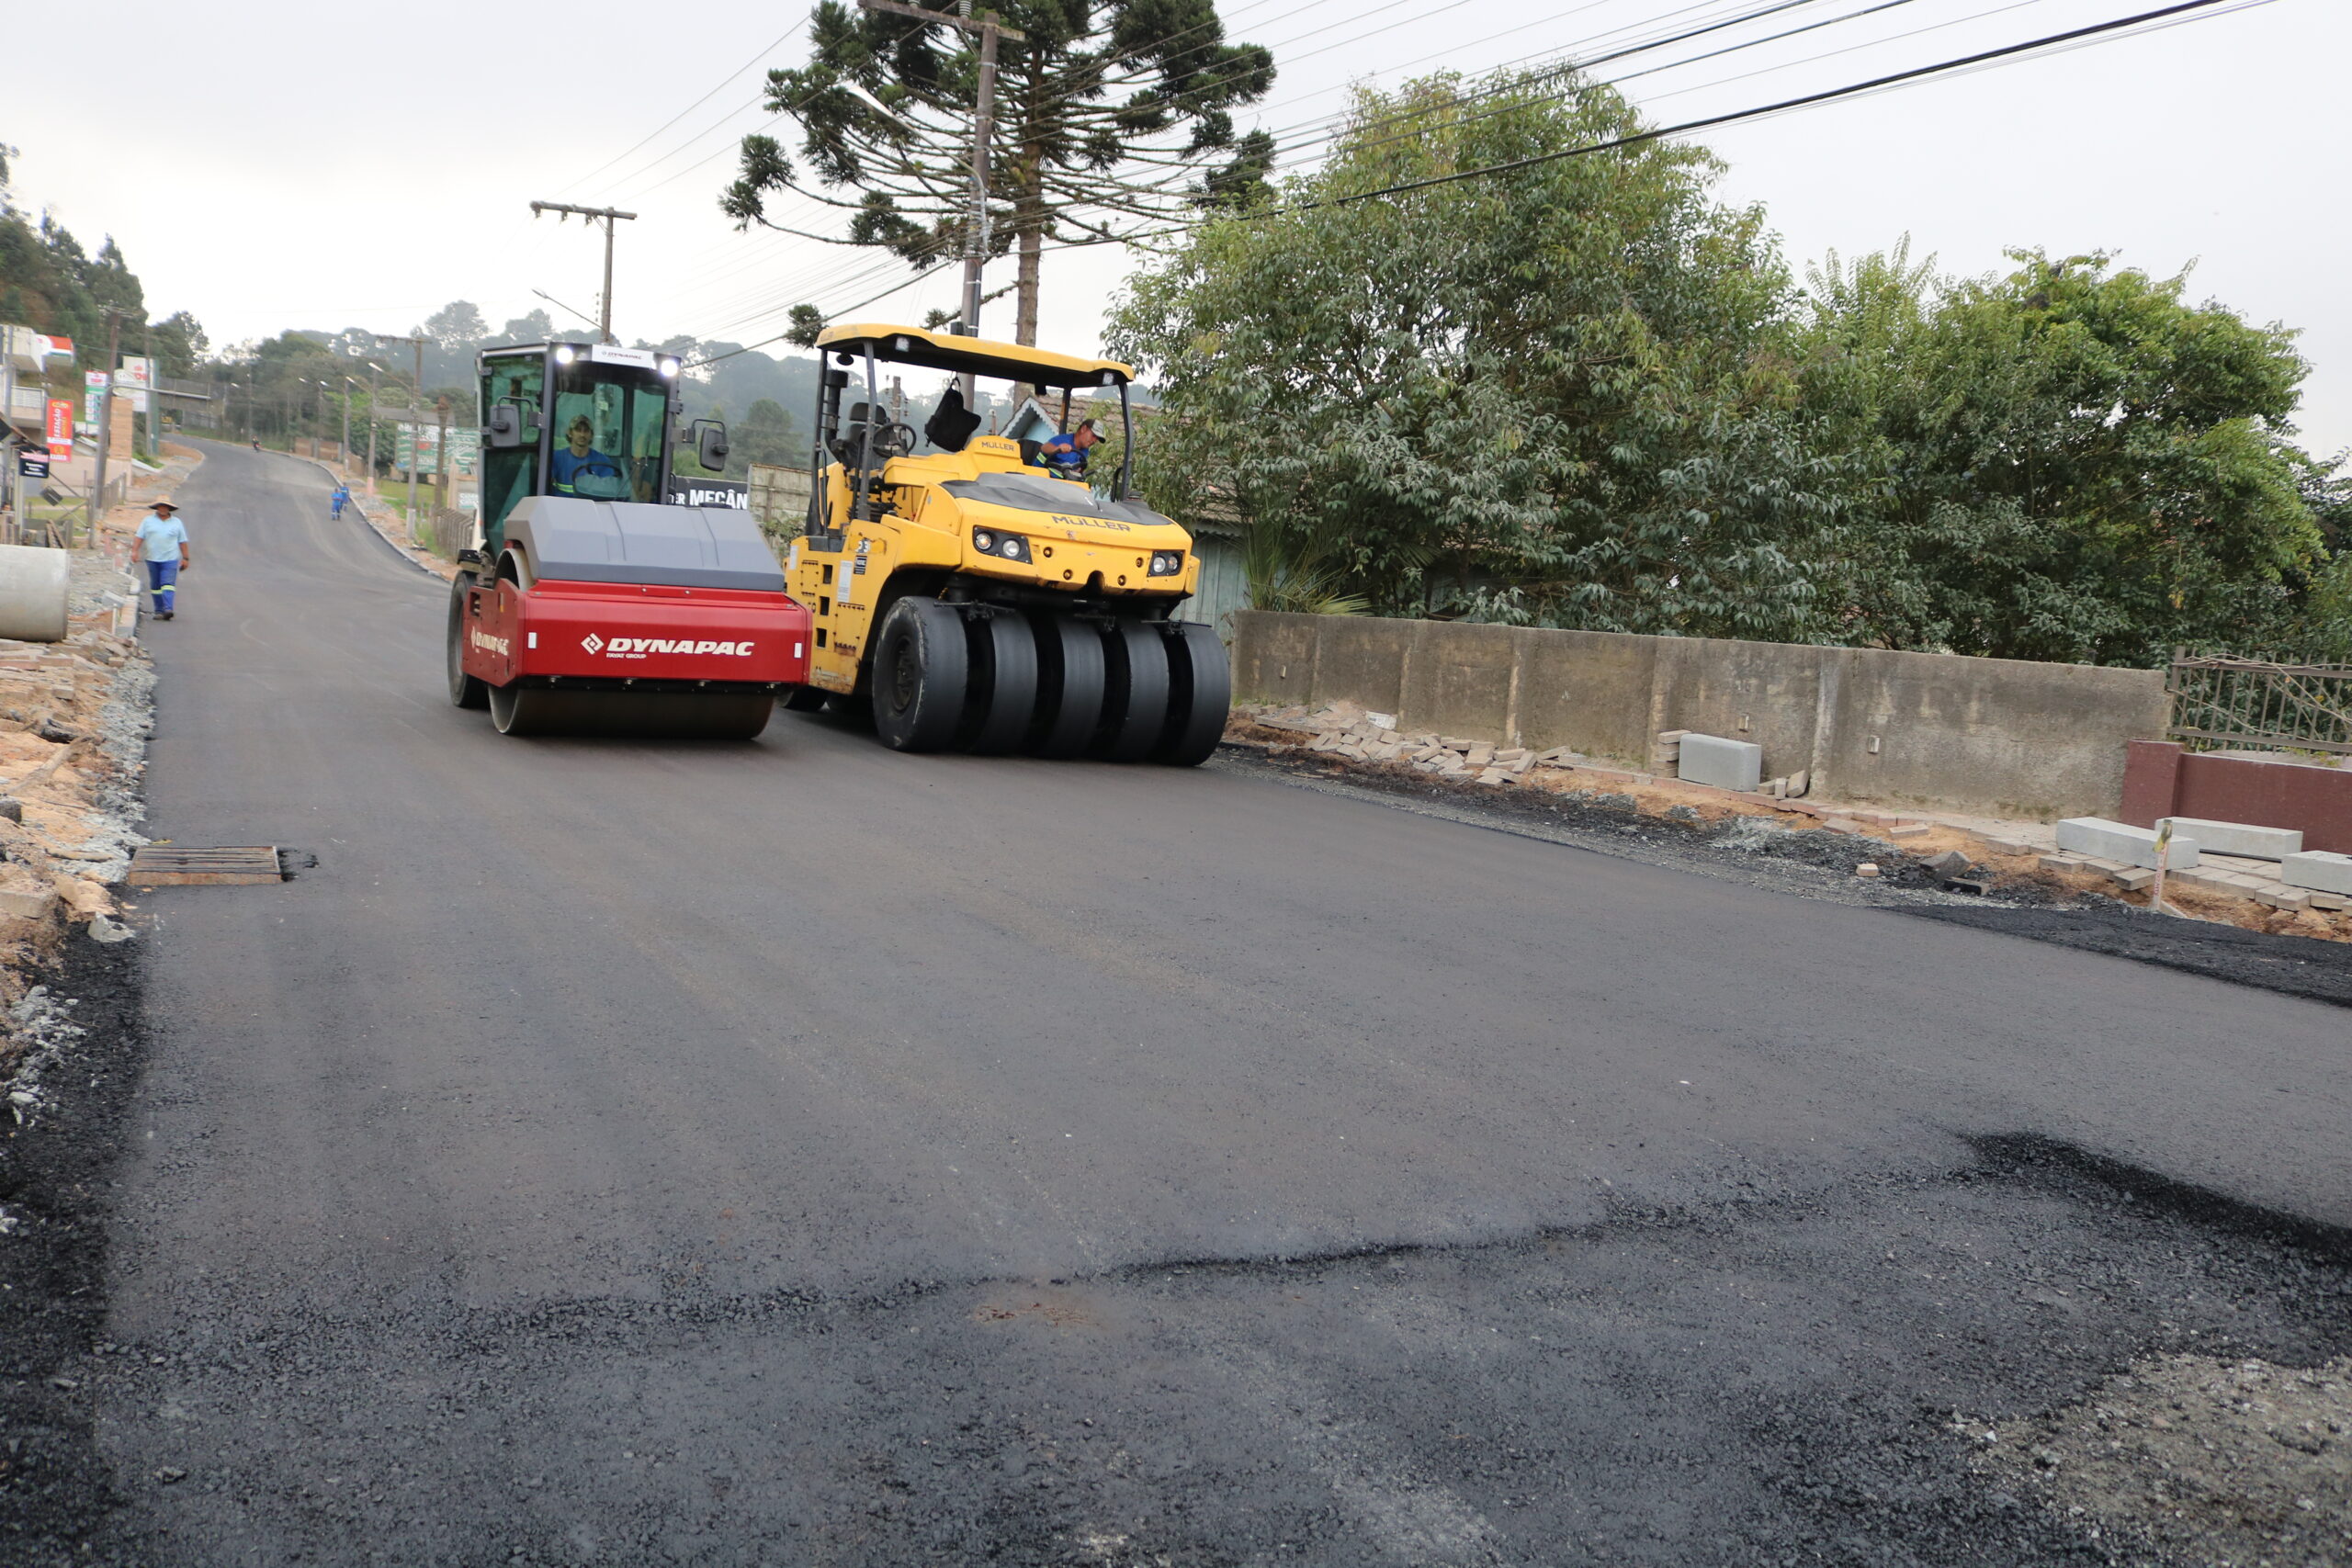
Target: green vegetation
1583,393
48,282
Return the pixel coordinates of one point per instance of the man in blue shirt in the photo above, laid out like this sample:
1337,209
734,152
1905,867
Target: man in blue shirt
577,460
1066,453
163,544
339,500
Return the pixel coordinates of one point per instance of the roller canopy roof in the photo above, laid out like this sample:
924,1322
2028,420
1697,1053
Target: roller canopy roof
571,538
980,356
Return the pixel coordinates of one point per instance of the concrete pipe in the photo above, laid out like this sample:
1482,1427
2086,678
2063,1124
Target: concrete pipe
33,585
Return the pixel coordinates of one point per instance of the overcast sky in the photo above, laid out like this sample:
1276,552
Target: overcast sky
274,164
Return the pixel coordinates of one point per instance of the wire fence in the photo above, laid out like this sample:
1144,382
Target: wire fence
2219,701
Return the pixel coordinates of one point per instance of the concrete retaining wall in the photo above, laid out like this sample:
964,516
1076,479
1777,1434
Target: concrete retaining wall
1997,736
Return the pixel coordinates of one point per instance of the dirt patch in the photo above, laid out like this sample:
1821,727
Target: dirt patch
2226,1462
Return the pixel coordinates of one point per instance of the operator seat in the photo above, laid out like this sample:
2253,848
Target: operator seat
888,441
951,424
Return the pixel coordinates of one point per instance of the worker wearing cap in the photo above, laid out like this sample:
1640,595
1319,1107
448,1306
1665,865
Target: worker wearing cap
163,544
1068,452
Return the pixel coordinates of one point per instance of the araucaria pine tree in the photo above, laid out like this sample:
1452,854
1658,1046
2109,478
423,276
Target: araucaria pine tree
1111,117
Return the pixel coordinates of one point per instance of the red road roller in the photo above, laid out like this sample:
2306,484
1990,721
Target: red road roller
616,617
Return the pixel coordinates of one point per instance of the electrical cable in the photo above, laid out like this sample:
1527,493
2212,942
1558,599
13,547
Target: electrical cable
2150,20
2093,32
780,40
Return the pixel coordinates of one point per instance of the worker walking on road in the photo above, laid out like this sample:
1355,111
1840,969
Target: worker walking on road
162,544
339,500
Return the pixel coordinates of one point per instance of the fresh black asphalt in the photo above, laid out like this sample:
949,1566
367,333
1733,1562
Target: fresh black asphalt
801,1153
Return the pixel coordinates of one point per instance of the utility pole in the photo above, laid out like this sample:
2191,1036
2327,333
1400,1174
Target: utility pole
105,424
416,431
564,209
342,453
375,369
441,475
976,232
154,392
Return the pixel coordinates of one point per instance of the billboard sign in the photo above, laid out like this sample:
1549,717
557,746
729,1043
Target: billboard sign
710,492
32,464
465,446
136,372
95,380
61,428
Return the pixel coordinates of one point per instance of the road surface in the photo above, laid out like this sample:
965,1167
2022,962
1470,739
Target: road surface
798,1153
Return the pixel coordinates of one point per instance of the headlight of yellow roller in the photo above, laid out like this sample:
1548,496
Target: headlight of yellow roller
1002,545
1167,563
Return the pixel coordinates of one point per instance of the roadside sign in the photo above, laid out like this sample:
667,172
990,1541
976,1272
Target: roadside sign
710,492
135,399
97,378
90,402
61,428
32,464
136,372
465,446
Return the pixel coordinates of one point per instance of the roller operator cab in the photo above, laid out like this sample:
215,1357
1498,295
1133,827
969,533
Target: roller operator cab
988,593
584,606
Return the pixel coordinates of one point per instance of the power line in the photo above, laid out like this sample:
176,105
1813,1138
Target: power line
1622,53
780,40
2073,36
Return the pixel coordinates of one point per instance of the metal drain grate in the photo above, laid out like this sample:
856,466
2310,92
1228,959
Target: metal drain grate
169,865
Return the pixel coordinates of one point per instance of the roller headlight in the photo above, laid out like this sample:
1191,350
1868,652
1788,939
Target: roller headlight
1003,546
565,354
1167,563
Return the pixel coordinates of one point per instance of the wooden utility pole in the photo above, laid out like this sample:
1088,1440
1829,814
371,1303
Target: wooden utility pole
416,429
96,507
374,370
441,473
976,231
563,209
154,393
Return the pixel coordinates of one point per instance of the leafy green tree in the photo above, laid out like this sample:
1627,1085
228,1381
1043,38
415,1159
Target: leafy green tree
2067,462
1111,115
1561,394
766,436
537,327
180,344
49,283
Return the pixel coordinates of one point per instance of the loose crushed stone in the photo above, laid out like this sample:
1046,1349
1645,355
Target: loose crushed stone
2232,1462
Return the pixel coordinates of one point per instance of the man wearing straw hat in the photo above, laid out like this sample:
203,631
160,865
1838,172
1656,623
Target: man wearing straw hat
162,544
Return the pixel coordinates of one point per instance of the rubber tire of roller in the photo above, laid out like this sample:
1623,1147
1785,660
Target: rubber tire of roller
1004,697
639,715
1200,695
802,699
466,690
922,672
1135,700
1069,687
